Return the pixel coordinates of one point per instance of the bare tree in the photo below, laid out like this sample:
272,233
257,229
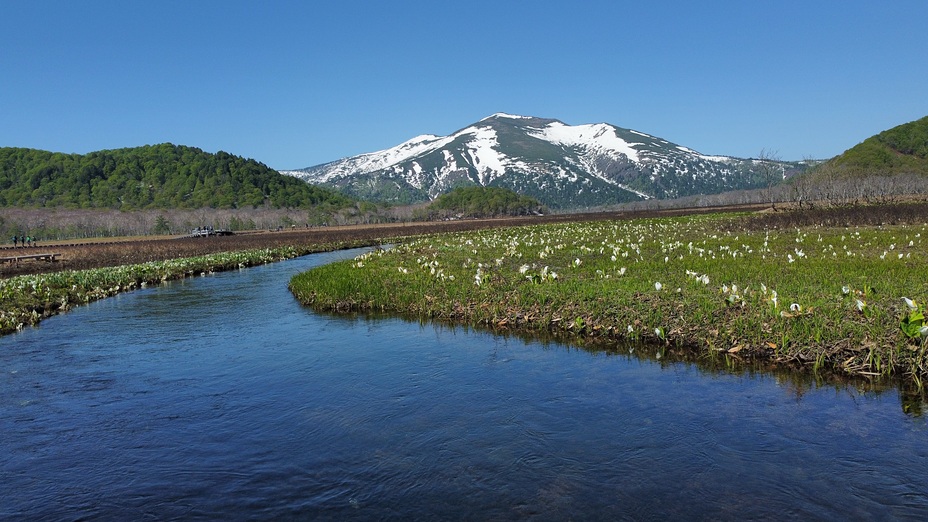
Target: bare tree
770,167
801,190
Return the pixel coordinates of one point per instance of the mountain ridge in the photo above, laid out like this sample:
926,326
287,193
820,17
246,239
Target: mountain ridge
561,165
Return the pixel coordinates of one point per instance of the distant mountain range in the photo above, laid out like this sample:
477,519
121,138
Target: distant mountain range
563,166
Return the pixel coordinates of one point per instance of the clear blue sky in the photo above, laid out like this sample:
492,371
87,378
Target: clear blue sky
295,84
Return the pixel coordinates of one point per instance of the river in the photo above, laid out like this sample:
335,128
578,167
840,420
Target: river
222,397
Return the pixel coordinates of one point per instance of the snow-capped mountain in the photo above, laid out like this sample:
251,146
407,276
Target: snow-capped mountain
563,166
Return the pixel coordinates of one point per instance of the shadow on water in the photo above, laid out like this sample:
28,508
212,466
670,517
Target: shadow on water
799,381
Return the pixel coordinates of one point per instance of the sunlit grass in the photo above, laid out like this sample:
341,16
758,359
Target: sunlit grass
826,298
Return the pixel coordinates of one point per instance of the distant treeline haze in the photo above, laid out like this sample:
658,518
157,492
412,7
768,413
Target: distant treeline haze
51,224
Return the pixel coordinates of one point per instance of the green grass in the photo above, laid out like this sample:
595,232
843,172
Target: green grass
786,295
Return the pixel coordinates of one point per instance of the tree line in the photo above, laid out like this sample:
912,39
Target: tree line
151,177
63,223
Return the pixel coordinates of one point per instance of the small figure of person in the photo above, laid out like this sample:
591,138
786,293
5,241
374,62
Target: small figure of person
15,241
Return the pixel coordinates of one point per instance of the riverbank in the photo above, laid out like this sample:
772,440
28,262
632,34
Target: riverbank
846,299
27,299
88,270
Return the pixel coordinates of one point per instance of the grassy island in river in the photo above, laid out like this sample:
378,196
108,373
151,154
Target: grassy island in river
848,299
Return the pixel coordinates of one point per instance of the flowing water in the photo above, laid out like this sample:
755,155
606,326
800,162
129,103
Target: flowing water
221,397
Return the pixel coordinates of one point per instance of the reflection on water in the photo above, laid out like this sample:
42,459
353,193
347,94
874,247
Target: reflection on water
222,397
799,380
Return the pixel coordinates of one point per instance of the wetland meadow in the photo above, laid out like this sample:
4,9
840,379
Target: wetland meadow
846,299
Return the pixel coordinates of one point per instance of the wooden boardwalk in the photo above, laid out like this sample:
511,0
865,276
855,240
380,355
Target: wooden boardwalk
14,260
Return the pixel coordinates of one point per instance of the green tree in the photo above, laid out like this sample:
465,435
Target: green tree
162,226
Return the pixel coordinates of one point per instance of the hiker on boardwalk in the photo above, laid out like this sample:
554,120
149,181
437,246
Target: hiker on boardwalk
15,241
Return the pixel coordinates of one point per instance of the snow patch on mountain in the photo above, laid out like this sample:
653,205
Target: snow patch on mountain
404,151
383,159
486,159
599,135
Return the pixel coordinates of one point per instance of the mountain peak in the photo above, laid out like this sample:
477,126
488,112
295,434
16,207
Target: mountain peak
499,115
515,119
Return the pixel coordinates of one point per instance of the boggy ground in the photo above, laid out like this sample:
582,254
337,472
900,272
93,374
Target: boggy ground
77,255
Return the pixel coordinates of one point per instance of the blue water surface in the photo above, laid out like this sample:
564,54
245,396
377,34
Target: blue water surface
222,397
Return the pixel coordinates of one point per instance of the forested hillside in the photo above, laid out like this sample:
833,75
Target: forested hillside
153,176
476,202
900,150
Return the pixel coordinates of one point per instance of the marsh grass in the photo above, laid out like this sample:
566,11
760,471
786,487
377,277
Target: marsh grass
825,298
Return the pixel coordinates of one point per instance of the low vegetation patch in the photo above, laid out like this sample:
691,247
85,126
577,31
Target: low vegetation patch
844,299
481,202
